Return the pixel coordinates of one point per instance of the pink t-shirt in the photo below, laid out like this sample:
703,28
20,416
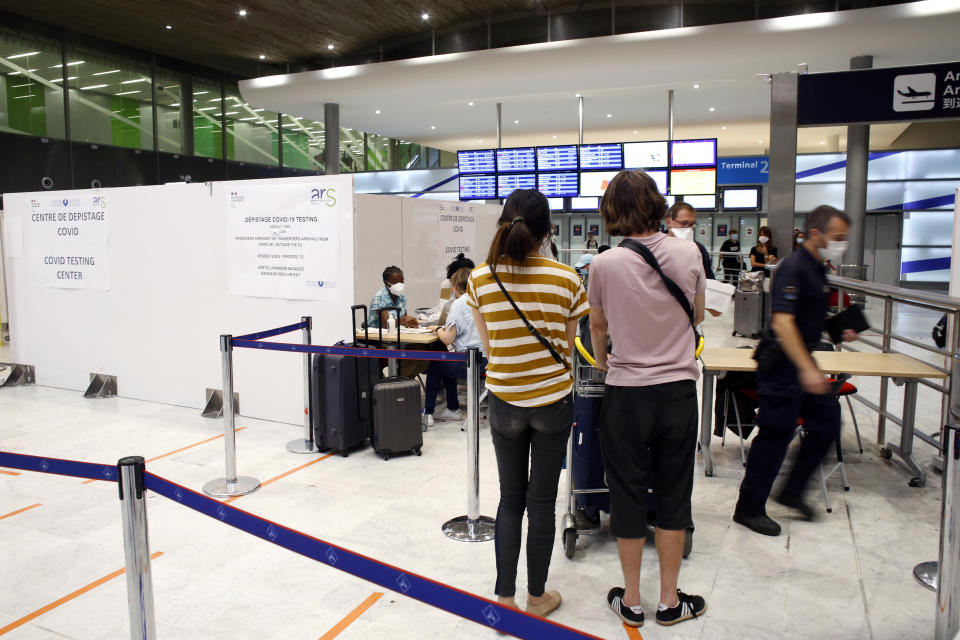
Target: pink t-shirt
652,336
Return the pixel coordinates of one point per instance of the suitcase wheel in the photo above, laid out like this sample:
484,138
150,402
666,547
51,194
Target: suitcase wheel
386,456
344,453
417,451
687,542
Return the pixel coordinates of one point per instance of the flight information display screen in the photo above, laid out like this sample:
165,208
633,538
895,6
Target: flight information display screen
643,155
693,153
584,204
746,198
516,160
477,161
558,185
660,177
594,183
507,184
703,203
557,158
478,187
601,156
692,182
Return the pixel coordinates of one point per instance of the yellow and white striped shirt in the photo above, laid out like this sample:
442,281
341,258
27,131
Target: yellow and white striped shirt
520,370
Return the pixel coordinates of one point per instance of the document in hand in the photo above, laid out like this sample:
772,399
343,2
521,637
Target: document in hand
719,296
851,318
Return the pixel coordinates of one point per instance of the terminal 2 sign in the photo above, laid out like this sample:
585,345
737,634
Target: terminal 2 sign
879,95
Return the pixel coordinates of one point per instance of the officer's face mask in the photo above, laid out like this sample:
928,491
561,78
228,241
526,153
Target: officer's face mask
683,233
397,289
834,251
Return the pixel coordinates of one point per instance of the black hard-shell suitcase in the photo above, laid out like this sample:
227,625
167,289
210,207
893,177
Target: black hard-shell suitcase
342,393
397,421
587,460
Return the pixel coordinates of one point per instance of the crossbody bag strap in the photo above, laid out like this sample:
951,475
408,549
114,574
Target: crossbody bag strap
672,287
533,330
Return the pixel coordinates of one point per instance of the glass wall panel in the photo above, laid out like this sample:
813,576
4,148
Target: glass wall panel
111,99
207,119
31,97
378,153
351,151
250,138
302,143
169,115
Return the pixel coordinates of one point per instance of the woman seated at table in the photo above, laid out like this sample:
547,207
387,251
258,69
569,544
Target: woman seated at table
391,295
461,332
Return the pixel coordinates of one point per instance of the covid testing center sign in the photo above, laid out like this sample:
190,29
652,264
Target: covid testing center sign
70,241
457,230
284,240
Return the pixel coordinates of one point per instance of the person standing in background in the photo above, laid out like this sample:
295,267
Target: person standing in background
591,242
764,252
525,308
731,264
681,221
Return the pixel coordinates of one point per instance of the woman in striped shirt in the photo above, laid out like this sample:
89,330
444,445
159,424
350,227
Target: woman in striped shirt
527,337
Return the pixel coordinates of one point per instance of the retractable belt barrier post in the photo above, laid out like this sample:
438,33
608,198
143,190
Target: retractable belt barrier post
306,444
136,548
135,481
231,484
472,527
948,582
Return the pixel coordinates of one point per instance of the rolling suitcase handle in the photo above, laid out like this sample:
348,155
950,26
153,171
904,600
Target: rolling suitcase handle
393,366
366,325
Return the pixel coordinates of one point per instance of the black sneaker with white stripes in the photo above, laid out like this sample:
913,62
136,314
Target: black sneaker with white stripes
688,607
631,616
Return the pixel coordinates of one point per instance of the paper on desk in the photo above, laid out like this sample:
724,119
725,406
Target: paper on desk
415,330
719,295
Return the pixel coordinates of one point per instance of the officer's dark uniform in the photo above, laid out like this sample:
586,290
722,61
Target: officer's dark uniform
800,289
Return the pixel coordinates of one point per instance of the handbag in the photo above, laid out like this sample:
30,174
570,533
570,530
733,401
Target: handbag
672,287
532,329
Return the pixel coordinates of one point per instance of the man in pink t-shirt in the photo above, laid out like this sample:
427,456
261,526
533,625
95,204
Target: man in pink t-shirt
648,422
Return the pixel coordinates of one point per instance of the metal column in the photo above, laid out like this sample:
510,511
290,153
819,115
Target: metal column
948,583
136,548
670,114
783,160
472,527
580,119
855,194
306,443
499,125
231,484
331,138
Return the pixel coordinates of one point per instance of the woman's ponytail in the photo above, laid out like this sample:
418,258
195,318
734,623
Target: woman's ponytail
524,222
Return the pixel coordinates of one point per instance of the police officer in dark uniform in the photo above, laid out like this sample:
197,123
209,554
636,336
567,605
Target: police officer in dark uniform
789,383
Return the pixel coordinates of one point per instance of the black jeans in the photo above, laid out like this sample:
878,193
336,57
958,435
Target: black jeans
536,436
782,401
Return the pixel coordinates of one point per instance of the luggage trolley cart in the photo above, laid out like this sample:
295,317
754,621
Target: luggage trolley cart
589,384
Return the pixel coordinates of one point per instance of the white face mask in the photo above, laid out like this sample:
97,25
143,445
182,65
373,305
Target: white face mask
834,251
763,239
683,233
397,289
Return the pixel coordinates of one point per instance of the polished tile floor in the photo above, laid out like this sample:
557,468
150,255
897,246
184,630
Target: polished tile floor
846,576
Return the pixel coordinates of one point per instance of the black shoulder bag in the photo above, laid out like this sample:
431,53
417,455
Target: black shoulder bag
672,287
532,329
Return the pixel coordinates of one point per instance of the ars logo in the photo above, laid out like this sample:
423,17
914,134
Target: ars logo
914,92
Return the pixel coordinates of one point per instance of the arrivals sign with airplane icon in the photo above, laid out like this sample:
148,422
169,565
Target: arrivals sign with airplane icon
879,95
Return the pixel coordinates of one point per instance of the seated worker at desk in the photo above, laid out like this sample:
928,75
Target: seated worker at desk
391,295
788,381
460,331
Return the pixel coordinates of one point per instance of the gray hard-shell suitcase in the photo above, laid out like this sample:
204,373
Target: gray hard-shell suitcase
396,414
342,399
748,313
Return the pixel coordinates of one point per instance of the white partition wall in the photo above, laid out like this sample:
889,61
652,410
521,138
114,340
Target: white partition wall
157,326
422,240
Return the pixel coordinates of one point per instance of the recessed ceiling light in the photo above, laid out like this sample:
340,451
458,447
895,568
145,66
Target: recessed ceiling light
609,115
822,142
724,127
93,86
516,122
577,95
330,47
105,73
432,127
469,104
425,16
554,137
759,141
169,26
377,112
263,57
696,86
635,132
712,109
242,13
479,140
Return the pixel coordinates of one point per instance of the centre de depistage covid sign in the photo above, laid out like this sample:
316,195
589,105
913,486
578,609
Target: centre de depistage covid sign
70,241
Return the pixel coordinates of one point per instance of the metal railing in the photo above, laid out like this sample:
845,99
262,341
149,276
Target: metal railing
923,300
